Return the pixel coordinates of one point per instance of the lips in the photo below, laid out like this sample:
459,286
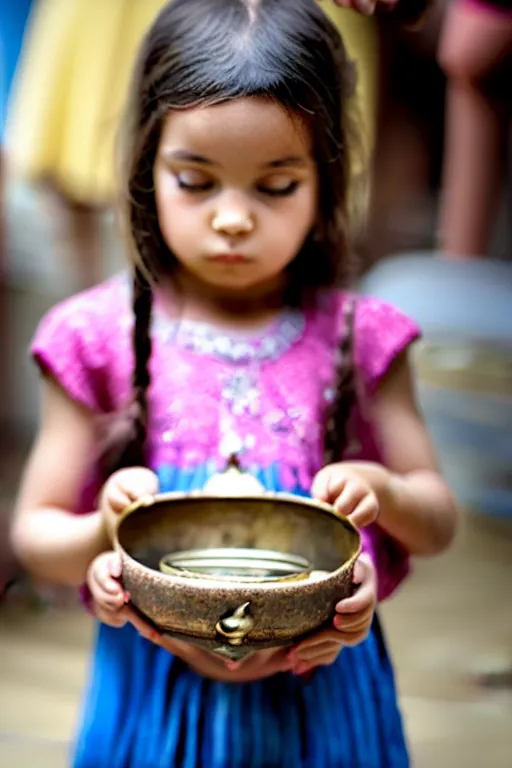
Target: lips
229,258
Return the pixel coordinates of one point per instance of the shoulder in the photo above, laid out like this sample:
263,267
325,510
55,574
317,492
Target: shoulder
75,340
90,309
382,333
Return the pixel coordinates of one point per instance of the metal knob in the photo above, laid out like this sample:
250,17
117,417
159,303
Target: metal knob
236,626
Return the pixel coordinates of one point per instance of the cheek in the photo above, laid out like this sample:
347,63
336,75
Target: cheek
296,222
178,221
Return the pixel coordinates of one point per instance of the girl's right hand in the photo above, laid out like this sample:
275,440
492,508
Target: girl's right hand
103,577
109,598
122,489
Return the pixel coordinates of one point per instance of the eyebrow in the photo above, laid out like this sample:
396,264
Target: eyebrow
187,157
184,156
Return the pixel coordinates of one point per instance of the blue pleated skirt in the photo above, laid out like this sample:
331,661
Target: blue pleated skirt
145,708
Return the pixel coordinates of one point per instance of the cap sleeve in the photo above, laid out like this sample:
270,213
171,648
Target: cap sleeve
382,333
71,346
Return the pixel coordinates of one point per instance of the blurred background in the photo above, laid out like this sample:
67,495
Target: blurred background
435,106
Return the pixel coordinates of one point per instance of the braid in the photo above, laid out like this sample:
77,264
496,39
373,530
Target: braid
132,453
345,392
142,304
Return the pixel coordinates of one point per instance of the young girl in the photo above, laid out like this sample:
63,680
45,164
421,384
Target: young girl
236,335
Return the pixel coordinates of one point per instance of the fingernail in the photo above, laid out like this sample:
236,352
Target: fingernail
232,665
127,597
300,669
154,635
338,622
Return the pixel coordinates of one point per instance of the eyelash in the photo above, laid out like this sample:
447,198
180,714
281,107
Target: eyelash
283,192
268,191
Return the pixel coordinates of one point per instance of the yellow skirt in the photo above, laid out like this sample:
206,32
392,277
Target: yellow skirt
361,39
72,82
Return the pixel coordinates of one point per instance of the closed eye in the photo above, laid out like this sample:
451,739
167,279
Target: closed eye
278,191
194,183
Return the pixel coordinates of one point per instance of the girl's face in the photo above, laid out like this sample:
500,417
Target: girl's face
236,192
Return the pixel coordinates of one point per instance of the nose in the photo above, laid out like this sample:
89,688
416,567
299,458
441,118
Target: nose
233,217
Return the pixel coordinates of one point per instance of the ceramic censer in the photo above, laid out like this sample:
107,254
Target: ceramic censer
233,568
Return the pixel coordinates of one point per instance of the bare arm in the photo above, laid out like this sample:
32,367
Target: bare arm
52,543
416,507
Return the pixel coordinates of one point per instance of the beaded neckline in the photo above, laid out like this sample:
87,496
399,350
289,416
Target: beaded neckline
203,339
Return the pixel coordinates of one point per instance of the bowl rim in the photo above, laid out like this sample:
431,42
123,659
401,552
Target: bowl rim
150,500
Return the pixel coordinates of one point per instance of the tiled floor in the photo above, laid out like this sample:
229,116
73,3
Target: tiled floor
452,620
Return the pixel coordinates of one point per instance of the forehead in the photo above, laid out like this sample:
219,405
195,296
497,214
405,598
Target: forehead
250,130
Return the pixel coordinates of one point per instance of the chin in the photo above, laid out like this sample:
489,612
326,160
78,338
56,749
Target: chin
236,286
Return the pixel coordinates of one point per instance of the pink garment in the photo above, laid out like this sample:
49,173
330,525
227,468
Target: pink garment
268,393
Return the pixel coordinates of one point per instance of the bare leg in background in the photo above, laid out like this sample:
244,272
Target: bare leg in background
475,45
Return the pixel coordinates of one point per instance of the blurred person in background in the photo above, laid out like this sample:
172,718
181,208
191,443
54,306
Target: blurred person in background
406,122
475,52
13,16
65,106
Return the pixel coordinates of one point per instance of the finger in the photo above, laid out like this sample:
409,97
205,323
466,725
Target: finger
321,661
112,618
329,483
356,624
279,664
365,512
364,570
320,486
137,482
326,635
364,599
128,485
105,590
331,647
143,627
366,594
108,601
115,565
105,581
354,638
349,497
117,499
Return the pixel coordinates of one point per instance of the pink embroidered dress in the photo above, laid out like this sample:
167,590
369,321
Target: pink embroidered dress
211,395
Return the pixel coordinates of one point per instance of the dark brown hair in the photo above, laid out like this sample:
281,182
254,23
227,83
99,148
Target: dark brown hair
210,51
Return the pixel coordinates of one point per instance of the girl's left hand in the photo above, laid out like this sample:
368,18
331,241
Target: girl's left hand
350,493
352,623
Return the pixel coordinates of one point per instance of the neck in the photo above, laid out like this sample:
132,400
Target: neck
186,296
